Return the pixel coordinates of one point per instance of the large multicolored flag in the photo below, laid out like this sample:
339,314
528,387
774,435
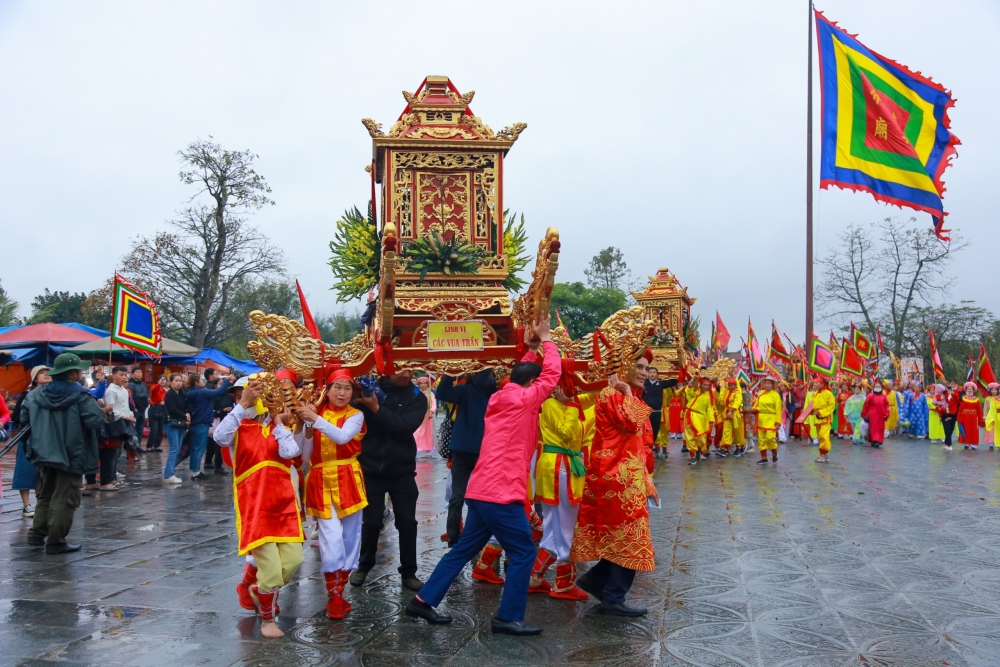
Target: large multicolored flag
850,360
821,358
778,351
885,128
758,360
721,333
135,322
936,358
984,371
861,344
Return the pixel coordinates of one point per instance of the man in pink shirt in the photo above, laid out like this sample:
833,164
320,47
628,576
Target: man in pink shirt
497,491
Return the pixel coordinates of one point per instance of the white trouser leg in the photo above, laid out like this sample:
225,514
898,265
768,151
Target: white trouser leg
559,522
251,561
339,542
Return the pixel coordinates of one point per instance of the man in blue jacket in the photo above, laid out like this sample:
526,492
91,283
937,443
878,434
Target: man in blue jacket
466,437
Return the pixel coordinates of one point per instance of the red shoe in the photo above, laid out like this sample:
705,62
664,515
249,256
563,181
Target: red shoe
334,590
543,561
566,588
535,522
483,571
344,574
444,536
243,588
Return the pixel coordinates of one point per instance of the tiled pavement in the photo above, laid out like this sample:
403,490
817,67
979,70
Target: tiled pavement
881,557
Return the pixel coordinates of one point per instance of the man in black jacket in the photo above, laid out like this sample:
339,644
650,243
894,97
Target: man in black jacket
389,462
472,399
140,396
64,420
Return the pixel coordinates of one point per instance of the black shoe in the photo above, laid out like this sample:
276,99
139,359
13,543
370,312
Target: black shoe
684,448
357,578
514,628
200,477
738,453
33,542
693,462
721,454
774,458
585,584
614,609
222,472
762,461
423,610
62,549
413,584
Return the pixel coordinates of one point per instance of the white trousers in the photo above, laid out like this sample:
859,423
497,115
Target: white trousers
339,542
559,522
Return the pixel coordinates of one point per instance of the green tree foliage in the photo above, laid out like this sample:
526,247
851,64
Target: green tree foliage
57,307
271,296
8,310
608,270
959,331
339,327
582,308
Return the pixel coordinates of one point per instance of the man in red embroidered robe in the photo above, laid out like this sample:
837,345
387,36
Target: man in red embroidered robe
613,522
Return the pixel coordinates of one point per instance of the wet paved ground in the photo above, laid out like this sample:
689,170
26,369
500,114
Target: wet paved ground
887,557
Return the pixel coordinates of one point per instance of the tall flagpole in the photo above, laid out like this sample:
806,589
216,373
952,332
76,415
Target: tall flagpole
809,185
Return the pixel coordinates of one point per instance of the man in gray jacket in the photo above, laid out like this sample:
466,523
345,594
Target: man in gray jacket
64,420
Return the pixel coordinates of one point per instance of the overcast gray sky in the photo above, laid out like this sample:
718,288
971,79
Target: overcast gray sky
673,130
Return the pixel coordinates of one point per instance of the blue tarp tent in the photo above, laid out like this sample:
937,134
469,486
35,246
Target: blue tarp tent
215,356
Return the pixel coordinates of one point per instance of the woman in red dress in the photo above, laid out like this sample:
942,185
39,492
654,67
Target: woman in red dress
970,417
876,412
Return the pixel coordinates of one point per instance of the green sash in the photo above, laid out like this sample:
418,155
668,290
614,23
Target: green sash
576,466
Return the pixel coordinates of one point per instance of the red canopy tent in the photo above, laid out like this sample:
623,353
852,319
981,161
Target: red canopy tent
44,334
41,342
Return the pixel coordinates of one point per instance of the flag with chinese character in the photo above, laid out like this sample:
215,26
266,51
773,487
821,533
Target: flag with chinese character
821,358
984,372
861,344
778,351
850,361
936,358
721,333
885,128
135,322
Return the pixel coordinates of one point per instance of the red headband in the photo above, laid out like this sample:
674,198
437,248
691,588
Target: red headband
285,374
339,374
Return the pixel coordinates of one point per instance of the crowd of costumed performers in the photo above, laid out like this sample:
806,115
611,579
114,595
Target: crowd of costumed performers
533,440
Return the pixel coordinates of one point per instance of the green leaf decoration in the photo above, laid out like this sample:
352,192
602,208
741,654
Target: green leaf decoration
355,254
436,254
515,247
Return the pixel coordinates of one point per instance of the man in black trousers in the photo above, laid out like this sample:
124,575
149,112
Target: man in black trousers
389,462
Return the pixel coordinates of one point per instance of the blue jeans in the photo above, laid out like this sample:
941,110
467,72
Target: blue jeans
199,441
175,436
510,526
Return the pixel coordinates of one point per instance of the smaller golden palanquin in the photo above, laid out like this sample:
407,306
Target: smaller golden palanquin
668,306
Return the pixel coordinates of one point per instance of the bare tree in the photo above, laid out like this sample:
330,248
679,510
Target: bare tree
882,273
193,269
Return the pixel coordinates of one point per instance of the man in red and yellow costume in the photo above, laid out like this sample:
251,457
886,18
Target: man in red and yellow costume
699,418
268,526
559,479
613,521
335,488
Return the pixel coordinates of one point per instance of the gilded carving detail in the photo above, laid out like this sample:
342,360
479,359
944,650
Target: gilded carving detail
374,129
512,133
409,160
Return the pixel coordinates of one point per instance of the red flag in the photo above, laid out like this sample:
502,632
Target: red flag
721,333
307,318
850,360
878,339
985,374
778,351
936,358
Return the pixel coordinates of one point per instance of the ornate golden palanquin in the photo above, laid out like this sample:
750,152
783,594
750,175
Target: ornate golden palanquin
667,304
